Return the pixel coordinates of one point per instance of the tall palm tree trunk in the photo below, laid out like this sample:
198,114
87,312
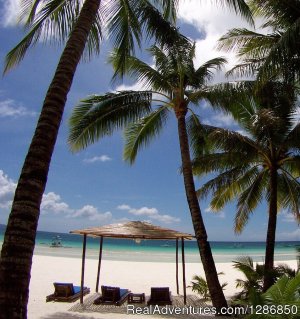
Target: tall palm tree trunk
270,241
19,239
215,289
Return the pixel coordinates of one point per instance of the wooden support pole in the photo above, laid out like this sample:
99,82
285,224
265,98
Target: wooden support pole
82,268
183,270
99,264
177,280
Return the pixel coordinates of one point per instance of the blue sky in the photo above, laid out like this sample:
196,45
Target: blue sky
96,187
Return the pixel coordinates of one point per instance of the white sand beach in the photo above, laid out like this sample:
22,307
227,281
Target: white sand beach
136,276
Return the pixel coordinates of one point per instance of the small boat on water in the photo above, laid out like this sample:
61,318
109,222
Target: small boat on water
166,244
56,242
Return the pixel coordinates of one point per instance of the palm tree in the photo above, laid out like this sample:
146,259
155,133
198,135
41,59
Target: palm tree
172,86
264,162
200,286
280,301
126,22
253,281
79,25
274,53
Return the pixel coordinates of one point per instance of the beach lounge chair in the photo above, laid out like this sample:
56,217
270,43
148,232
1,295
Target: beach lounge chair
112,296
160,296
66,292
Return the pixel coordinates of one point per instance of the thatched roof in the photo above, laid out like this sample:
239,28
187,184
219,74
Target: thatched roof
135,229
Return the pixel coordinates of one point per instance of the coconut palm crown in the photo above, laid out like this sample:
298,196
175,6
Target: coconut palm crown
78,23
262,163
273,52
172,87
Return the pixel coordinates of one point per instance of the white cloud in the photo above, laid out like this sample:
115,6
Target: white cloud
90,212
10,13
294,235
221,119
138,86
9,108
151,213
167,219
220,214
213,21
144,211
7,190
123,207
102,158
52,203
288,217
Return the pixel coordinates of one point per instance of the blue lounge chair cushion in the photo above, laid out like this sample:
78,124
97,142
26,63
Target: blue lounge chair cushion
123,292
76,289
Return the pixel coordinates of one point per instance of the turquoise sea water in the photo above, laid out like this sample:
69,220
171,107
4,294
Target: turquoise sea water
156,250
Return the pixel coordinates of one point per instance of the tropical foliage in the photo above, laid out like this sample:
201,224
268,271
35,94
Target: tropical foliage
122,22
274,52
170,88
252,284
200,286
253,281
281,300
263,162
79,23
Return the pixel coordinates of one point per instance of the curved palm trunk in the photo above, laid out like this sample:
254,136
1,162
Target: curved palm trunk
19,240
211,274
270,241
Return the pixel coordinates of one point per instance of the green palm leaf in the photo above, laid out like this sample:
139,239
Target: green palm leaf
52,23
124,29
285,47
222,184
289,194
239,7
149,77
98,116
206,72
231,141
140,133
248,200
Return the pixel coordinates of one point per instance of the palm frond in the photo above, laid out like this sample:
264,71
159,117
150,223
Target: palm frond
220,162
99,116
157,27
276,13
291,164
52,23
168,8
247,69
28,10
240,7
293,138
235,187
246,42
124,29
229,141
248,201
284,291
224,184
149,77
232,98
197,135
140,133
206,71
288,194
